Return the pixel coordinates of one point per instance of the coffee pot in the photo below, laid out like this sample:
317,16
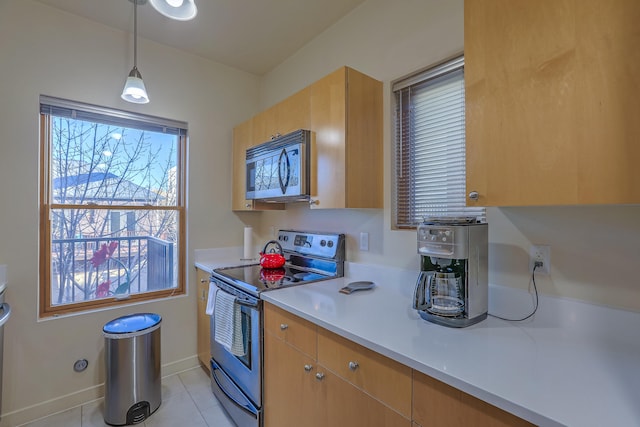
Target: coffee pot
452,287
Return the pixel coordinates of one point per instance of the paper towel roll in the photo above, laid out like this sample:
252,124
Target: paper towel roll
248,245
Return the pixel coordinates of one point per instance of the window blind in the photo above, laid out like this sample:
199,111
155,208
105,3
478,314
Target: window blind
430,146
92,113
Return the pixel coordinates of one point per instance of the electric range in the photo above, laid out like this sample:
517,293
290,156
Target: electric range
236,369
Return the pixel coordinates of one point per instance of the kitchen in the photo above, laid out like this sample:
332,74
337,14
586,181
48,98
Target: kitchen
47,51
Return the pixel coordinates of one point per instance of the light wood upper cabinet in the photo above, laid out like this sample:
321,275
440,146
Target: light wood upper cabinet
552,116
204,328
286,116
346,163
243,139
344,113
438,404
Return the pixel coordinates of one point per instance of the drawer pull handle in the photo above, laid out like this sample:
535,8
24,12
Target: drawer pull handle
353,365
284,326
308,368
319,376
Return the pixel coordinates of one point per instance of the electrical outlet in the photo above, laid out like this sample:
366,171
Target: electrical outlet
364,241
540,254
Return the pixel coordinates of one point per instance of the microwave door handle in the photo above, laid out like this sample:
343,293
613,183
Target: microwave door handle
284,183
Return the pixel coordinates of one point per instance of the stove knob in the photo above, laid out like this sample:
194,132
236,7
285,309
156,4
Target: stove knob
323,243
330,243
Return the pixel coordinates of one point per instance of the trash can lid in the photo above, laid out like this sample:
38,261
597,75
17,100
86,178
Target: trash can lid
132,323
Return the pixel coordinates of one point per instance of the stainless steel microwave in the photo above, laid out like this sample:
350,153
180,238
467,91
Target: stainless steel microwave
278,170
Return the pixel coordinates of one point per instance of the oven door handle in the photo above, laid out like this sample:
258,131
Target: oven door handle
238,299
246,303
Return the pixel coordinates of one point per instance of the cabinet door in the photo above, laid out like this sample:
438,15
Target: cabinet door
204,334
520,89
328,121
243,139
379,376
608,131
291,391
346,405
290,328
347,162
284,117
550,117
438,404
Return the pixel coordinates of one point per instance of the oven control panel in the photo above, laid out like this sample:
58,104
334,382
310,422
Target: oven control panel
324,245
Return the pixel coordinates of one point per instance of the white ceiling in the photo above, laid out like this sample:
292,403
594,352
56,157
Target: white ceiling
251,35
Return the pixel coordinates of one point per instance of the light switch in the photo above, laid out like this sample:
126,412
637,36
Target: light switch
364,241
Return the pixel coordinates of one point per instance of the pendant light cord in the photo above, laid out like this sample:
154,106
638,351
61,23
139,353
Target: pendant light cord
135,34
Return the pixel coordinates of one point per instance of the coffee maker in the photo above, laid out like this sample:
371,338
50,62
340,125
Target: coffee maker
452,288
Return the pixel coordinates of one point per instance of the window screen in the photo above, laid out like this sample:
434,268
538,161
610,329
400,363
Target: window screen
430,146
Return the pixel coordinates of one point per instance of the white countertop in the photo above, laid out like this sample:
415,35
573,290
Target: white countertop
573,364
209,259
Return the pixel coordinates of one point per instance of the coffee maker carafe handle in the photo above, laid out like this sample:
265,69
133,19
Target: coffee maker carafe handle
420,290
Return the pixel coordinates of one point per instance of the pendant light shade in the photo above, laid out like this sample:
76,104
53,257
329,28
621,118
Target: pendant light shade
181,10
134,90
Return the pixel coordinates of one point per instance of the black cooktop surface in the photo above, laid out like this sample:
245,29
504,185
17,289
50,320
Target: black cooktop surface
255,279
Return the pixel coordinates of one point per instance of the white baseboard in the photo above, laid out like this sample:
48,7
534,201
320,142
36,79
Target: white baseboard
80,397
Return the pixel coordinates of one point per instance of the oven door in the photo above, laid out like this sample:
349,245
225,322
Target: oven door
245,371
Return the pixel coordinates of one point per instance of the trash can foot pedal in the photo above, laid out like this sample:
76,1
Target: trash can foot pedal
138,413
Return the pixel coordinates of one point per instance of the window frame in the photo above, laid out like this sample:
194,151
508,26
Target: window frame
46,309
416,79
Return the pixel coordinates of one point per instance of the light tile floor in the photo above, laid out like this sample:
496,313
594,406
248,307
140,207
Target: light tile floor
187,401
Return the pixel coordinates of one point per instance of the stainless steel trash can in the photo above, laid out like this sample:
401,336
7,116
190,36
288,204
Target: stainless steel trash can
132,386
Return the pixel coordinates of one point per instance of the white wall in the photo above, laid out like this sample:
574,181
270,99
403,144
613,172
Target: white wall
593,249
46,51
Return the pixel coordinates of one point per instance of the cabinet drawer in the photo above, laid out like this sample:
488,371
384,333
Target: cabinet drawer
379,376
436,403
290,328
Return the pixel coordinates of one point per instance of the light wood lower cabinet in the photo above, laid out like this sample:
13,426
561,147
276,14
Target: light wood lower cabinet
291,393
438,404
300,390
377,375
202,277
313,377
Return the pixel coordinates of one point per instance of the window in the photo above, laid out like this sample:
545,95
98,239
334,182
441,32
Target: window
430,146
112,207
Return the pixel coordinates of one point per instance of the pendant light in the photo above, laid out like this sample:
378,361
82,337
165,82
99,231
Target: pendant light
134,90
181,10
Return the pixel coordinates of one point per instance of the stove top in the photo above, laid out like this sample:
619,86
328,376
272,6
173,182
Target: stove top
310,256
